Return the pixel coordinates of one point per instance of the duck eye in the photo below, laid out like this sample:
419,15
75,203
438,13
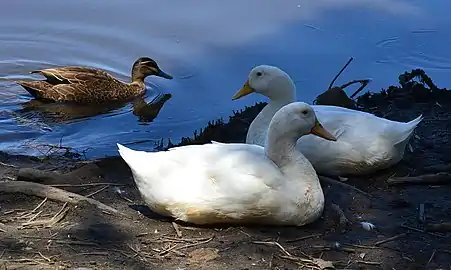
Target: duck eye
304,112
259,74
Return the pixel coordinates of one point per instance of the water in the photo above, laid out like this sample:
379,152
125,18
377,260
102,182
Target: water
208,47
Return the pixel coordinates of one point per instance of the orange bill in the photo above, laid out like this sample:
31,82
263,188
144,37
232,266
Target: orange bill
319,131
244,91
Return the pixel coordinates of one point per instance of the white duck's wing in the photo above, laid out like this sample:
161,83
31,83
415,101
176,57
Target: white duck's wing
364,143
205,173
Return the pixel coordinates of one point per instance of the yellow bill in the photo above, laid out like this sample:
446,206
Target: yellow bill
319,131
244,91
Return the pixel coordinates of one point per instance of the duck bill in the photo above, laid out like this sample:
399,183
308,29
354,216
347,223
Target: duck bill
163,74
244,91
319,131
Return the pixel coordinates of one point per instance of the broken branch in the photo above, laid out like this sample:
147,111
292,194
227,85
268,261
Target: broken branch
425,179
52,193
331,181
339,73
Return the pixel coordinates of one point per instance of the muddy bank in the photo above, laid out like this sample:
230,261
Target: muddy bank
39,233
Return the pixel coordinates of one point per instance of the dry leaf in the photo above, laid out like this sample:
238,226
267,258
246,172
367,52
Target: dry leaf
203,255
322,264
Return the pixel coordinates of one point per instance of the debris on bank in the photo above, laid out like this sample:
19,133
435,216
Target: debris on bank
73,215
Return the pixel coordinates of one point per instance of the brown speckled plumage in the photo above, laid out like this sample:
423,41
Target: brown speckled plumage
89,85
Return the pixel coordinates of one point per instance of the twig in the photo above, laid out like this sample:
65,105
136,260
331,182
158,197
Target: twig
327,248
361,246
425,179
36,208
180,240
303,238
339,73
32,218
272,243
100,253
432,257
53,193
363,82
98,191
88,185
421,217
77,243
419,230
390,239
439,227
177,230
8,165
369,263
44,257
185,246
331,181
167,250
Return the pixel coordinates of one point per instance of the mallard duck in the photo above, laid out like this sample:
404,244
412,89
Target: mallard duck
365,143
236,182
90,85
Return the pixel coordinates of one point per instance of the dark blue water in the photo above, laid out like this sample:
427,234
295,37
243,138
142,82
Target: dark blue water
209,47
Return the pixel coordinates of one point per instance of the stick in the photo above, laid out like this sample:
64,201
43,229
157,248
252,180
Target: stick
52,193
339,73
439,227
177,230
89,185
331,181
432,257
421,217
390,239
39,176
363,82
421,231
95,192
52,177
441,178
369,263
303,238
34,210
284,251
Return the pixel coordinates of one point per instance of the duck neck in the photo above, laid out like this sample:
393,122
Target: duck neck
282,151
138,80
286,94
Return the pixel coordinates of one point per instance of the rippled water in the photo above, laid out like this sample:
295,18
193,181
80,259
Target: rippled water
209,47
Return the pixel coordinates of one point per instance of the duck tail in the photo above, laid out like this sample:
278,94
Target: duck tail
135,159
35,88
409,127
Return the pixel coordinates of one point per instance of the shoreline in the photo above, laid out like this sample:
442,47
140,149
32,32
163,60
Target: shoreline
406,203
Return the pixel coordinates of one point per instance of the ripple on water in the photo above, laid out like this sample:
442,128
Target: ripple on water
417,49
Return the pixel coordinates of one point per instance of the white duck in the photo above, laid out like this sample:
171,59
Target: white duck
236,183
365,143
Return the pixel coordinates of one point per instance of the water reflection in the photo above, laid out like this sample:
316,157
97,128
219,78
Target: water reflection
48,113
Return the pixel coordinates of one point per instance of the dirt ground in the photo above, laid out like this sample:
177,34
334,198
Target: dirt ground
39,233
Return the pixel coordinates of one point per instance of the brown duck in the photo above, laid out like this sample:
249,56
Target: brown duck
90,85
